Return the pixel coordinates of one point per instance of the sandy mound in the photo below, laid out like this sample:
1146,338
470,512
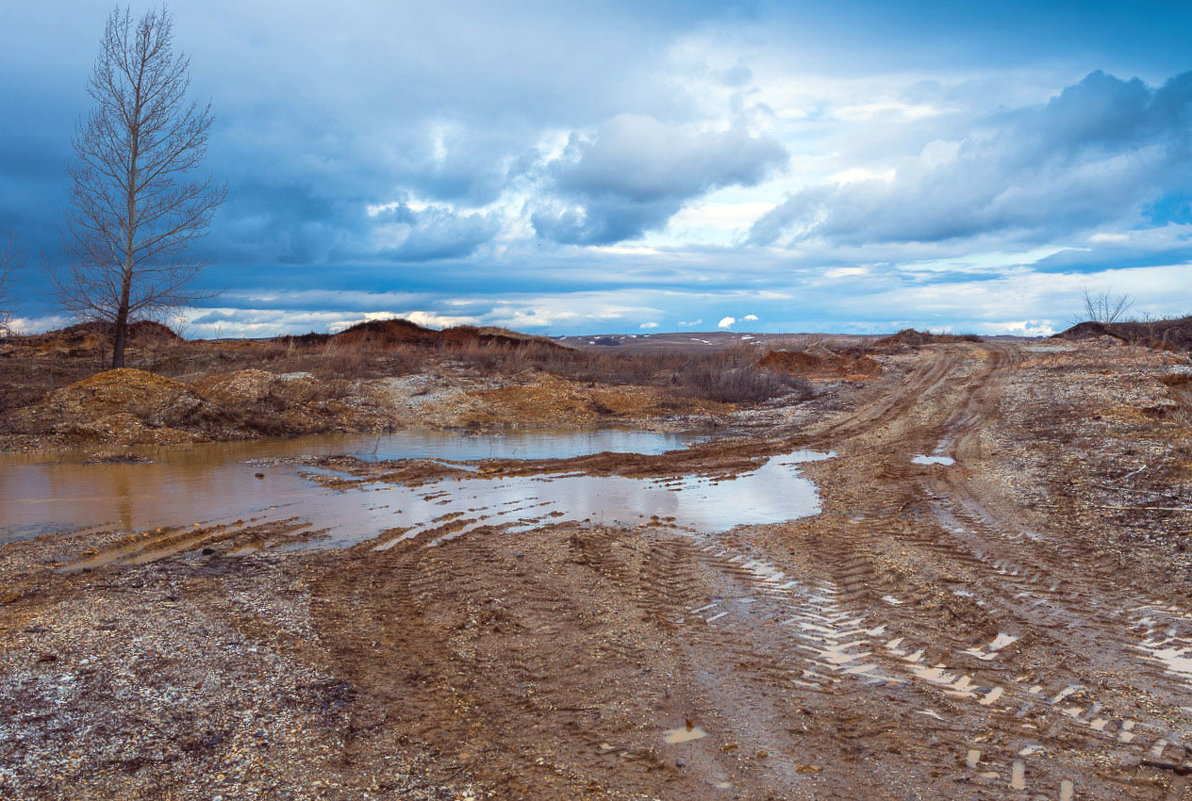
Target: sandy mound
87,337
124,405
822,363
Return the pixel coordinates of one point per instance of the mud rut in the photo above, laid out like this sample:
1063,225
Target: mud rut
921,638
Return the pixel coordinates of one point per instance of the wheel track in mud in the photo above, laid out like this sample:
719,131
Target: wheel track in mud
995,556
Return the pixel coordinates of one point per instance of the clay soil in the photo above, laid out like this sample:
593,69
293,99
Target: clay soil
1015,625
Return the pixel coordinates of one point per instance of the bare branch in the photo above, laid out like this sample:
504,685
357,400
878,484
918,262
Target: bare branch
1104,307
134,211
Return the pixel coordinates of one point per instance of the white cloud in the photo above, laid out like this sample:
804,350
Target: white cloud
648,325
845,272
750,317
726,322
427,319
690,323
855,175
884,111
37,325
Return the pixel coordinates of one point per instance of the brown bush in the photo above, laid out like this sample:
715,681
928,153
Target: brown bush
734,375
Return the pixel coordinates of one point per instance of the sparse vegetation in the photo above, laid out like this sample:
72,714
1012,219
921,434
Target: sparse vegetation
1105,307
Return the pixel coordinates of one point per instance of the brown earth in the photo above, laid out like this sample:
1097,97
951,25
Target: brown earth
1016,625
374,377
823,363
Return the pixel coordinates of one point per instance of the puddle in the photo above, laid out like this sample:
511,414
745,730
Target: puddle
1018,775
181,485
944,460
683,735
1175,658
215,484
773,493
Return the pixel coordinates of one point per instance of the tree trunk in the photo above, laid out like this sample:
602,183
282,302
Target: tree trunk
121,336
121,332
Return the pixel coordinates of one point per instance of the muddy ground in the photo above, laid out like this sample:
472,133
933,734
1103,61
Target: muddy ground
1016,624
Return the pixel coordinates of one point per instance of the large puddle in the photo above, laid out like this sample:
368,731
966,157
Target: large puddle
225,483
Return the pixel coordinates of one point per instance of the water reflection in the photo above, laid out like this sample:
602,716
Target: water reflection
215,484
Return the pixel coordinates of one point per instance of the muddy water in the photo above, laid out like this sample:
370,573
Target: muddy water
38,497
223,483
773,493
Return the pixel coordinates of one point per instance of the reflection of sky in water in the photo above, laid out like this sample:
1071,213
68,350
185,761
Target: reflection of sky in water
944,460
214,484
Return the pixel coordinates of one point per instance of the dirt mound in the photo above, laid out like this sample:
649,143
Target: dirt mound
125,405
1175,333
1085,330
386,333
913,338
91,334
260,402
822,363
390,333
553,402
134,407
121,389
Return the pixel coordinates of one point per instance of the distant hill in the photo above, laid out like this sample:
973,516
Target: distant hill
389,333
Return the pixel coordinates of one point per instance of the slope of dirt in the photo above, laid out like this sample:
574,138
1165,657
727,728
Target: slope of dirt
1014,625
117,409
86,337
820,363
1174,333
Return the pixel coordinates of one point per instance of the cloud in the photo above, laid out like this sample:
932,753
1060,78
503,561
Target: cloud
750,317
726,322
434,232
648,325
1102,151
690,323
636,172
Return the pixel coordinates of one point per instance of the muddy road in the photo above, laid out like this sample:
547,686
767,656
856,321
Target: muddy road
970,627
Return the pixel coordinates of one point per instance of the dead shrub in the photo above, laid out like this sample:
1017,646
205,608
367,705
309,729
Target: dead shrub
735,376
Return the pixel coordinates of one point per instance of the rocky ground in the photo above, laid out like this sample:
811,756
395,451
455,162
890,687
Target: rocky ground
1016,624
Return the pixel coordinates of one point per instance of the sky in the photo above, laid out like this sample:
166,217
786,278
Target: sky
640,167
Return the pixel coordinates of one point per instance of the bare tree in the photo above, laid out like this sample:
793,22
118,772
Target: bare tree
134,212
1104,307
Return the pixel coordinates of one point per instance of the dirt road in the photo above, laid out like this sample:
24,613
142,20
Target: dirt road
937,631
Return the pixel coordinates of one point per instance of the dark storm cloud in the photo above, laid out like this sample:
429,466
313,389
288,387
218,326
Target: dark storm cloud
638,171
436,233
1099,152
